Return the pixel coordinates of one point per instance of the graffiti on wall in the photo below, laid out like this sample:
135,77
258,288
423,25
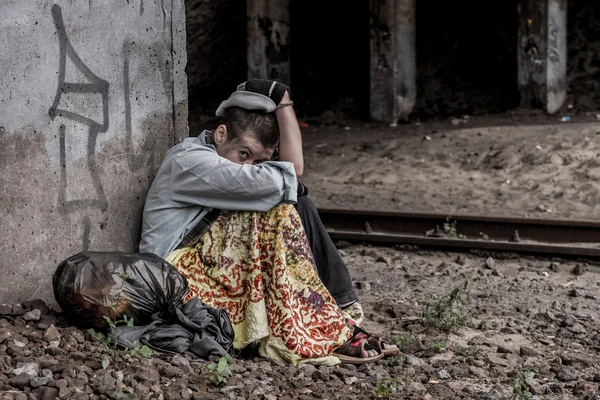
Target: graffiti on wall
92,87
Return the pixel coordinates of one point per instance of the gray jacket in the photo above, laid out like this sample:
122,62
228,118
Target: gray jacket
193,179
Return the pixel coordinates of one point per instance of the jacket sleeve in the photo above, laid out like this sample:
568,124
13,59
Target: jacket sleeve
204,178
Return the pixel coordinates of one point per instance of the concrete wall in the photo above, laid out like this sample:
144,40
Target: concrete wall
92,93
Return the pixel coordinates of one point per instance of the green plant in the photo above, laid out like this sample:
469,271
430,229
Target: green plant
521,388
450,229
386,386
405,341
219,372
451,312
395,361
468,352
110,350
436,345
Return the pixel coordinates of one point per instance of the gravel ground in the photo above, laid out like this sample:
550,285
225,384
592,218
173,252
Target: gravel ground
534,328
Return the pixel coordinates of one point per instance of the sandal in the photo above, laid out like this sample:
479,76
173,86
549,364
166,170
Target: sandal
377,341
352,352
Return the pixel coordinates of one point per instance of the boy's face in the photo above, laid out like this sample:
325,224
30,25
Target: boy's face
245,149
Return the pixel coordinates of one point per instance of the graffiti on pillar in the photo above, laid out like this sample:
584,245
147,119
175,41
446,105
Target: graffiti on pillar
553,43
95,86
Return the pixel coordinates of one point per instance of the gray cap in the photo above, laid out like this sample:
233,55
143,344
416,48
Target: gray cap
247,100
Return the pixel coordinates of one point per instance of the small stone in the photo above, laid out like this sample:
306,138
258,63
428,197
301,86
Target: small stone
180,361
350,380
443,374
554,266
567,374
5,309
480,372
48,393
527,351
580,269
38,381
573,293
363,285
5,335
498,361
19,381
51,334
17,309
385,260
585,388
416,388
171,371
490,263
33,315
461,260
30,369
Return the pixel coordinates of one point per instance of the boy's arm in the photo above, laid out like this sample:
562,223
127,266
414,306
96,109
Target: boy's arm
290,138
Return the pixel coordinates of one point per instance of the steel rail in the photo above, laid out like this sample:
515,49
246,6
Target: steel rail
550,237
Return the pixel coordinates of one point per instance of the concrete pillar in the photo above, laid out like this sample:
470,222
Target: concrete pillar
268,39
542,53
92,94
393,59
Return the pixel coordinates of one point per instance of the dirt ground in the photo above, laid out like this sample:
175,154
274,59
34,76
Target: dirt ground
511,165
529,330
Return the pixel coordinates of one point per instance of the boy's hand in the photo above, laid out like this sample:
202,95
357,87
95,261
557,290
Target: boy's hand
272,89
256,94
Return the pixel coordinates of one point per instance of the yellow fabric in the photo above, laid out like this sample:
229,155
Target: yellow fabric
258,267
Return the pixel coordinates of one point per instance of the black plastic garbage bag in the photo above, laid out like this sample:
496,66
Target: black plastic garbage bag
91,285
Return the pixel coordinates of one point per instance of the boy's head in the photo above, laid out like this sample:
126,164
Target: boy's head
246,137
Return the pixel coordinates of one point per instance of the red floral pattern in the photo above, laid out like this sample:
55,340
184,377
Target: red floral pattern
258,267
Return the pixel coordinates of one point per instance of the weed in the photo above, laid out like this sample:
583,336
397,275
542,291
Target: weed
436,345
469,352
396,361
219,372
450,229
387,386
110,350
521,388
450,313
405,341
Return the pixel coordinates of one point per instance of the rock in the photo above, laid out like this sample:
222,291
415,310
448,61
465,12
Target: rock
19,381
5,309
171,371
580,269
490,263
554,266
567,373
363,285
38,381
30,369
441,358
51,333
499,361
585,388
443,374
180,361
527,351
350,380
48,393
479,372
17,309
33,315
461,260
416,388
441,391
5,335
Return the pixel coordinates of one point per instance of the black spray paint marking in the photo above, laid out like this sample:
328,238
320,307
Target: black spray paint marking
133,160
97,86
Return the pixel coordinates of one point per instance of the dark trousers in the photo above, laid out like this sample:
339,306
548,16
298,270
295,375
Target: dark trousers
330,266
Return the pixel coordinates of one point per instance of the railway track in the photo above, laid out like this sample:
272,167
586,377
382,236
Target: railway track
556,238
